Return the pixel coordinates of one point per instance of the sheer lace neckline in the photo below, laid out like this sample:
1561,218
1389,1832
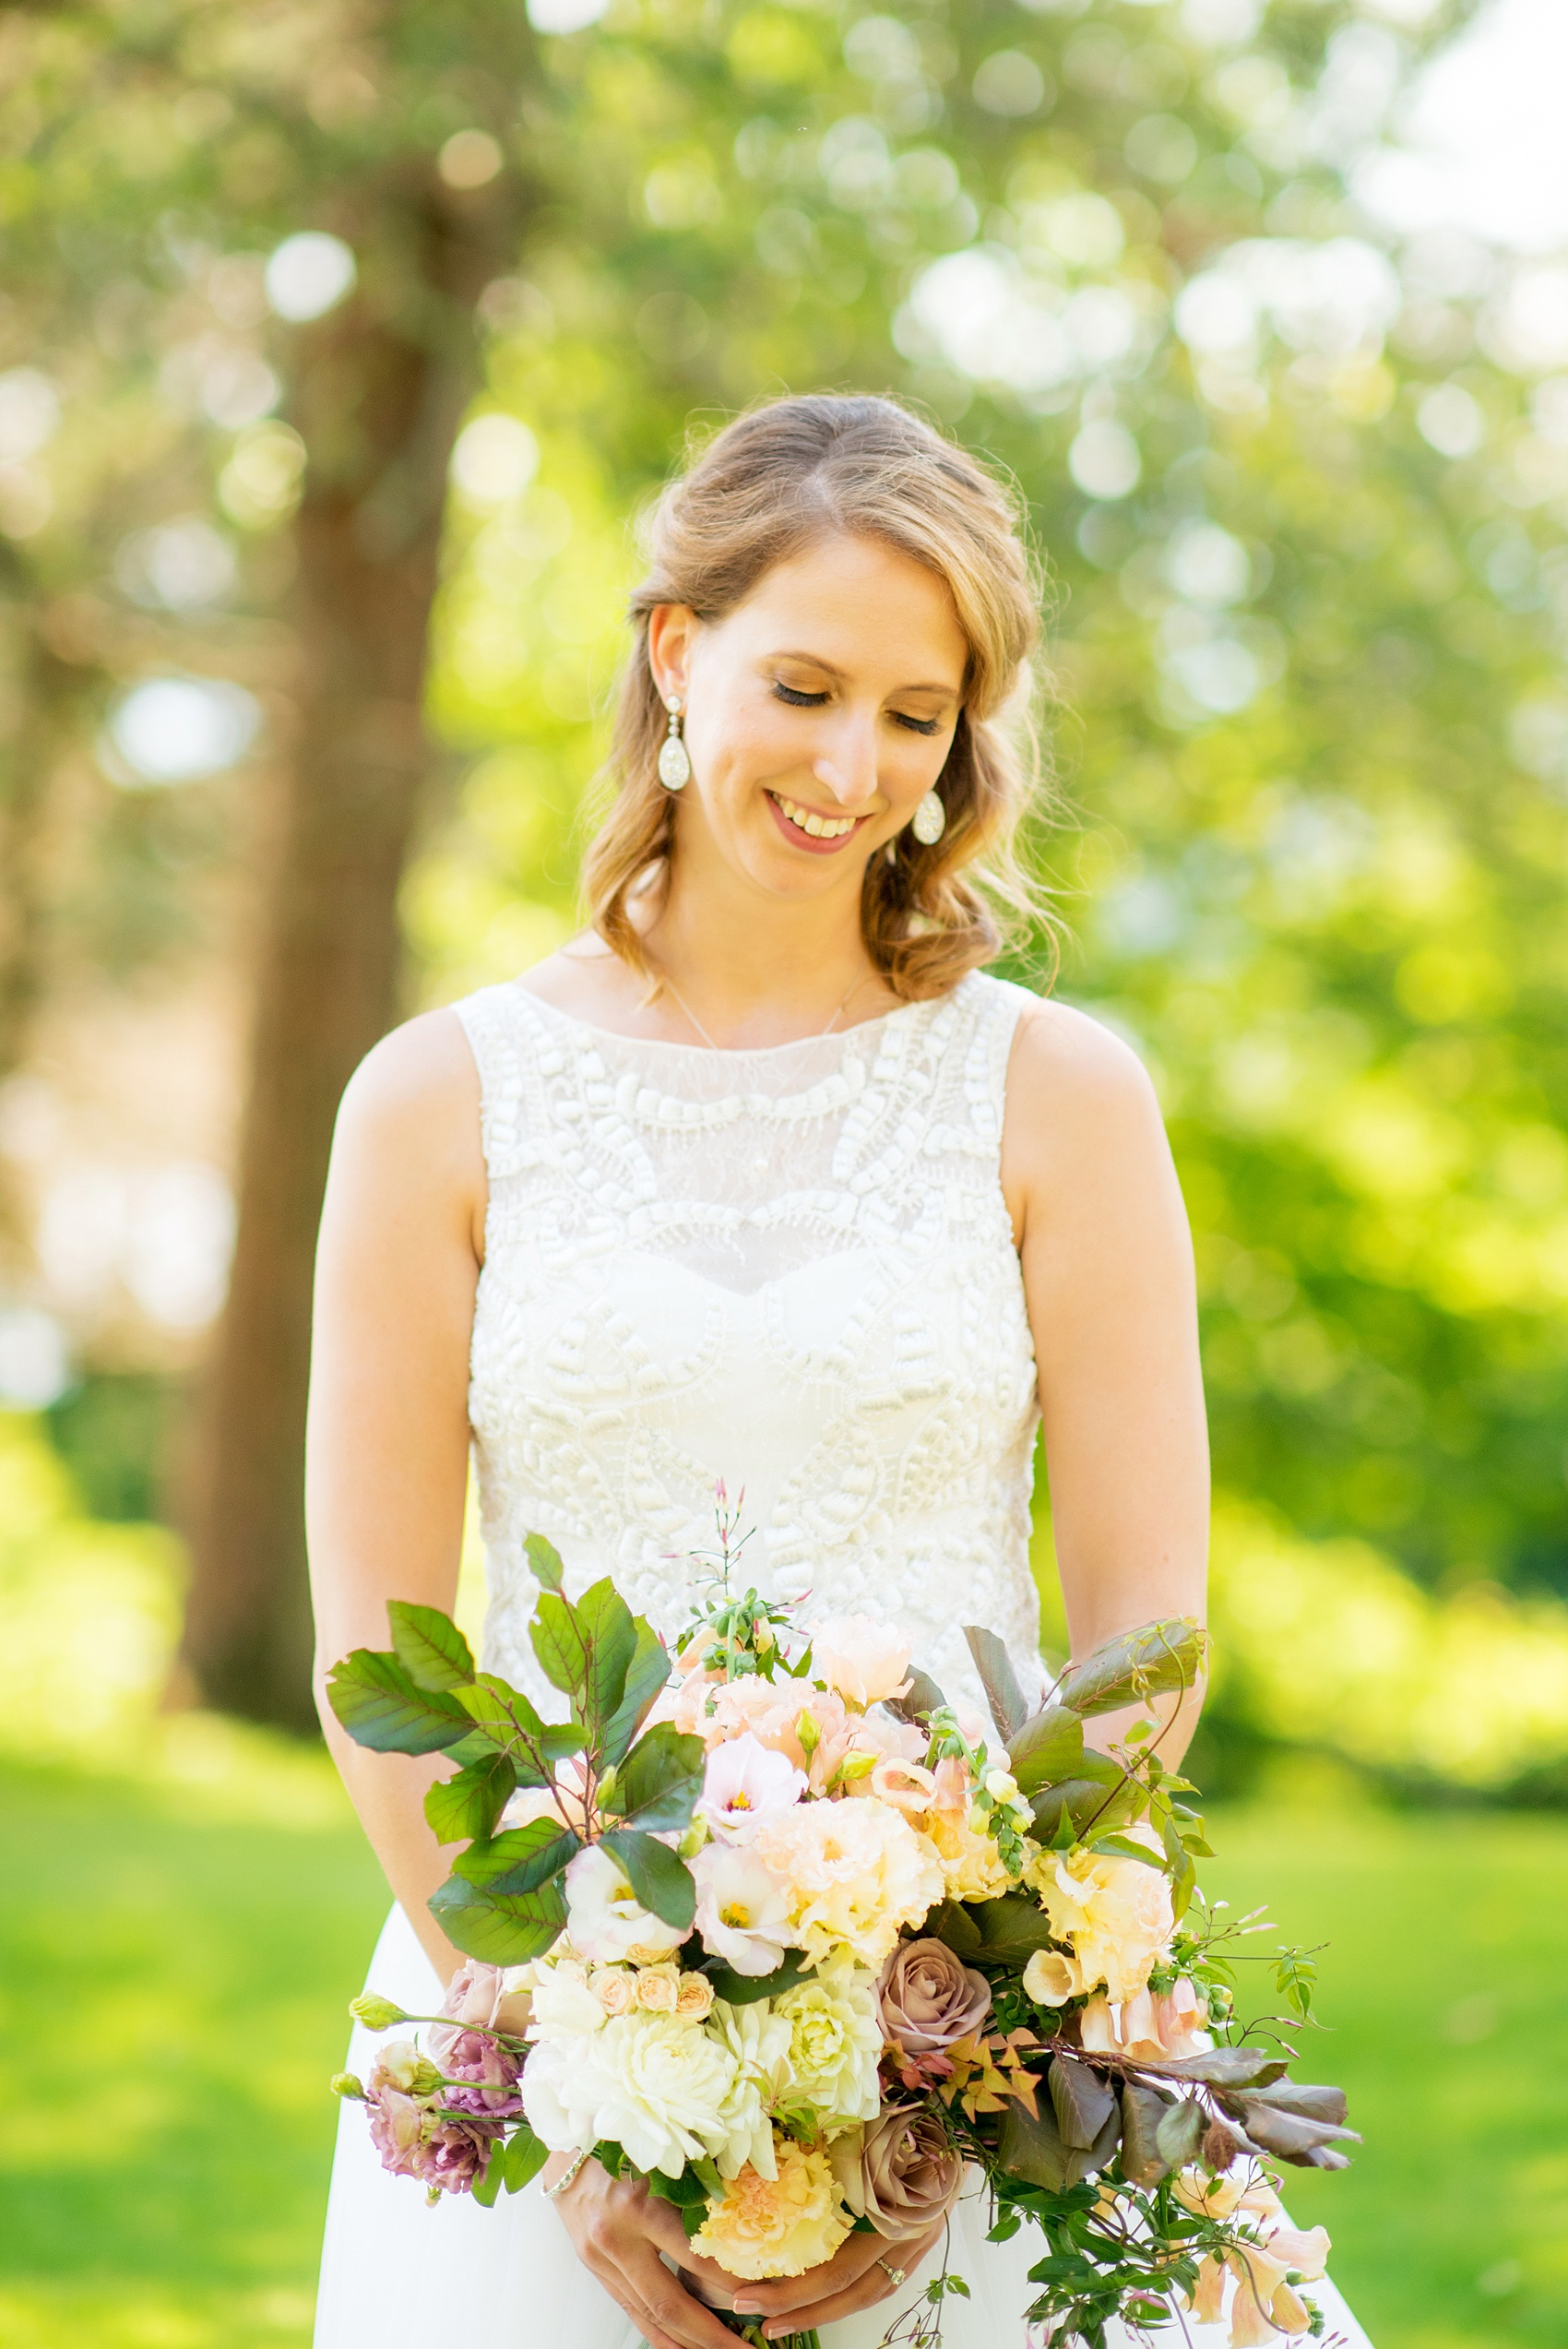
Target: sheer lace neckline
619,1036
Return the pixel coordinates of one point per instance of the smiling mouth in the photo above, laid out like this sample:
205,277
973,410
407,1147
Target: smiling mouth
815,827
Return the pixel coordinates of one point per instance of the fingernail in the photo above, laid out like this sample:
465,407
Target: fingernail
748,2307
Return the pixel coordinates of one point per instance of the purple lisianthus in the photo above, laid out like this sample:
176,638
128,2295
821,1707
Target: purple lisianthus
493,2069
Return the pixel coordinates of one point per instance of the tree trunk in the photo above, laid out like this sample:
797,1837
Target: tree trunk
378,397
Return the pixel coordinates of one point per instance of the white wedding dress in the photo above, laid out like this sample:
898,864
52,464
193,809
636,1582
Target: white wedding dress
793,1269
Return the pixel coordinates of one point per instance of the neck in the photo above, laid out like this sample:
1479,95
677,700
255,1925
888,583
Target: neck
766,973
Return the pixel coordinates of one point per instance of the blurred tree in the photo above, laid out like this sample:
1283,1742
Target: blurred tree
1301,484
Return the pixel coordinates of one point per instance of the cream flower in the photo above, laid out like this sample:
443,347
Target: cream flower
835,2043
865,1662
1153,2029
566,2003
972,1867
659,1986
604,1919
745,1783
614,1987
742,1914
1050,1978
758,2039
777,2225
651,2083
1115,1913
852,1874
694,1997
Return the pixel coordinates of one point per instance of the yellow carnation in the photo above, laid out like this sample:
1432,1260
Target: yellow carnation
768,2226
972,1867
1114,1913
852,1874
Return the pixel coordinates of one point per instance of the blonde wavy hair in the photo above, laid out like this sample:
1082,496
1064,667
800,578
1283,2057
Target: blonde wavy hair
784,475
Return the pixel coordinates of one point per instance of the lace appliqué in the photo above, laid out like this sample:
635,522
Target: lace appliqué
790,1268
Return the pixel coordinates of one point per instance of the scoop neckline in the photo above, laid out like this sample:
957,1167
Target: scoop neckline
729,1051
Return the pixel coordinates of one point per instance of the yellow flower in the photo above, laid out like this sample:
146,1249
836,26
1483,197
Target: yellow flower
1116,1914
852,1873
972,1867
768,2226
1050,1978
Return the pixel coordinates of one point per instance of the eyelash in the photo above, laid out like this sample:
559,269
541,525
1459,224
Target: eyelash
797,700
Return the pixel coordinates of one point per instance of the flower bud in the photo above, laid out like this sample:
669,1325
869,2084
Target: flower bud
1001,1786
345,2084
376,2014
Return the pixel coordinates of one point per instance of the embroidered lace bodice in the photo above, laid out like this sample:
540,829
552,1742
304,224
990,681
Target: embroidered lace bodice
790,1268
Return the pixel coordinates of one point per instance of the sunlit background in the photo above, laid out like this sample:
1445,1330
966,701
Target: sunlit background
341,350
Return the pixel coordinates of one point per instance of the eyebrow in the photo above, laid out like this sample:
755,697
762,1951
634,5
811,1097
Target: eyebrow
816,662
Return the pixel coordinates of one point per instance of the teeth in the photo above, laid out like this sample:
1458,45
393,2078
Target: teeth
820,828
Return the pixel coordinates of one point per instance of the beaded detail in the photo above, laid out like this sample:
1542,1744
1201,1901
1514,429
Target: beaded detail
793,1269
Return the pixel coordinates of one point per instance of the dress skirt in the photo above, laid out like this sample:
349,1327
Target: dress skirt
398,2275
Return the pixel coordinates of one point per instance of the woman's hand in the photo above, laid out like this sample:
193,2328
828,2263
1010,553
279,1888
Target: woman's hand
618,2230
856,2277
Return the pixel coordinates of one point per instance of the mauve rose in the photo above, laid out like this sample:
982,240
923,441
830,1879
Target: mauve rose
907,2176
928,1998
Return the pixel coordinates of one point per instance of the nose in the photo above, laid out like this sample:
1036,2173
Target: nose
845,764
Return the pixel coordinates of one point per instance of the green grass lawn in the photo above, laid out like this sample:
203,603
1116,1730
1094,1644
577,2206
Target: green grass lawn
174,1959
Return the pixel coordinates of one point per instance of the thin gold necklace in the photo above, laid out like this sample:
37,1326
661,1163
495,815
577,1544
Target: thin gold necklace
707,1039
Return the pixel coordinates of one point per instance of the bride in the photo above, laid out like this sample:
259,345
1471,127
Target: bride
761,1179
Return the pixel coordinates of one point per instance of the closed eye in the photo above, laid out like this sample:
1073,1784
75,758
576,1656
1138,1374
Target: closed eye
917,725
797,700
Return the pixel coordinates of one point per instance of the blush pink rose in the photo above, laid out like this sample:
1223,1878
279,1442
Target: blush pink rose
863,1661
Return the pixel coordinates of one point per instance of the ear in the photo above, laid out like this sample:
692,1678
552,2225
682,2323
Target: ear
670,627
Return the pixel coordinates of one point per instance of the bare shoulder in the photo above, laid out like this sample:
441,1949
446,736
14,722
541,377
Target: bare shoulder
1080,1106
413,1105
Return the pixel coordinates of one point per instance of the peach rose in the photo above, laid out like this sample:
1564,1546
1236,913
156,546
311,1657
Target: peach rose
864,1661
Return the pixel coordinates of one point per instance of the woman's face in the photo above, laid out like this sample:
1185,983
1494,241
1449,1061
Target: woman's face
817,714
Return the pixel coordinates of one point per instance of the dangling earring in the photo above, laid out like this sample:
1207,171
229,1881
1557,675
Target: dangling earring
675,767
930,820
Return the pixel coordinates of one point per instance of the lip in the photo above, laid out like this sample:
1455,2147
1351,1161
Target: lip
804,840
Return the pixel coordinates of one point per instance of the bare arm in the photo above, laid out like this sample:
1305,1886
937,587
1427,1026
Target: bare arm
402,1237
1108,1275
386,1460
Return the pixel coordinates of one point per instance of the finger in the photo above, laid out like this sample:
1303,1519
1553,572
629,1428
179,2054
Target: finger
849,2263
873,2284
689,2323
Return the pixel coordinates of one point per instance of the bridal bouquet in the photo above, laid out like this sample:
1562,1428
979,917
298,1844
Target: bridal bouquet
771,1924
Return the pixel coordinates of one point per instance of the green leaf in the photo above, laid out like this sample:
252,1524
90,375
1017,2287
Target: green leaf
1223,2068
687,2191
953,1924
544,1561
1081,2102
1031,2148
587,1650
645,1676
487,2185
468,1806
522,2158
920,1700
1142,2112
1011,1929
506,1719
1009,1708
1048,1748
1128,1670
520,1860
658,1877
1294,2137
745,1990
1099,1798
504,1929
1180,2132
659,1780
609,1628
1313,2103
380,1707
429,1646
